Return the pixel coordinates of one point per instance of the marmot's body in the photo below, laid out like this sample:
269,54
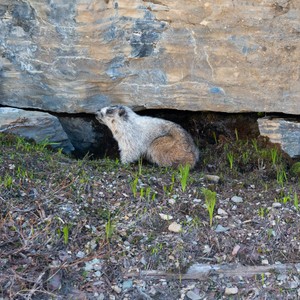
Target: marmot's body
159,141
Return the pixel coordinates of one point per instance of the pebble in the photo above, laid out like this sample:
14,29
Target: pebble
231,291
175,227
54,282
235,250
172,201
212,178
221,228
193,296
165,217
282,277
264,262
276,205
80,254
127,284
222,212
117,289
237,199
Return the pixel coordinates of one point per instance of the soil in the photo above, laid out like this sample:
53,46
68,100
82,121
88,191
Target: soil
97,229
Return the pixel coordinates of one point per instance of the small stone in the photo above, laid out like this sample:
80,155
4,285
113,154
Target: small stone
127,284
172,201
175,227
276,205
282,277
294,284
236,250
237,199
222,212
193,296
54,282
264,262
231,291
212,178
152,291
80,254
117,289
165,217
220,228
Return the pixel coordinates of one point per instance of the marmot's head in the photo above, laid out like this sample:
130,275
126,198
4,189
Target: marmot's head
113,116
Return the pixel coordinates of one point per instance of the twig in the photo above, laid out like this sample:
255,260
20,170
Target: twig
202,271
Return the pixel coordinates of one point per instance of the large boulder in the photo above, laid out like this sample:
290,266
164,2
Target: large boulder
38,126
285,132
78,56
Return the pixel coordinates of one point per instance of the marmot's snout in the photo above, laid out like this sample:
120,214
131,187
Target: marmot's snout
99,116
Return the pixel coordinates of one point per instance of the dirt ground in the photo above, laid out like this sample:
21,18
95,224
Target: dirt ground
97,229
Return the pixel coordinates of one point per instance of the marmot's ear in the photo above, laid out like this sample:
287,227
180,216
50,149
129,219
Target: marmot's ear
122,112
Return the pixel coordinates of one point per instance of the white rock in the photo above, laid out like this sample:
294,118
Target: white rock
236,250
221,228
192,295
212,178
117,289
175,227
222,212
231,291
237,199
165,217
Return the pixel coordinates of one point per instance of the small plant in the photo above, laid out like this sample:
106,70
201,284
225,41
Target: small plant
274,156
295,169
245,157
140,164
8,181
230,157
296,203
255,145
109,228
236,134
184,176
285,199
215,137
133,186
210,202
66,234
142,192
281,176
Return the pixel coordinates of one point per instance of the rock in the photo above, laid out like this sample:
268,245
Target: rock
35,125
117,289
231,291
175,227
284,132
276,205
222,212
265,262
127,284
235,250
237,199
54,282
165,217
78,56
212,178
193,296
220,228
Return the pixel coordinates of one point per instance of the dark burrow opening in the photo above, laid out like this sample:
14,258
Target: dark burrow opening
92,139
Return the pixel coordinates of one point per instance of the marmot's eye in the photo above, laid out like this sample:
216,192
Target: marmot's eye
110,111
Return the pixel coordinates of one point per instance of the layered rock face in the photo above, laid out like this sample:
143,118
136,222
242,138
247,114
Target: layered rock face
65,56
41,127
78,56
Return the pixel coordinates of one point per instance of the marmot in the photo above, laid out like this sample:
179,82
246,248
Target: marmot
159,141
